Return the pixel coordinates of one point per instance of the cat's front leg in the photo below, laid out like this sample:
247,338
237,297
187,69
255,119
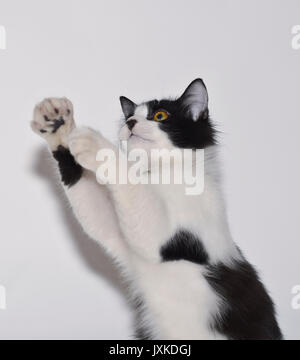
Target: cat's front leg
91,202
136,205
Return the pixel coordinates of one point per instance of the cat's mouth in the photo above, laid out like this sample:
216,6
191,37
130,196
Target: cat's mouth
132,135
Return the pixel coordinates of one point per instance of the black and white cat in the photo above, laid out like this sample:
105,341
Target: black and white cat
188,278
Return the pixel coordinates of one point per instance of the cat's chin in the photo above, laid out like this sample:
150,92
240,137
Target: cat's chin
136,142
137,138
132,137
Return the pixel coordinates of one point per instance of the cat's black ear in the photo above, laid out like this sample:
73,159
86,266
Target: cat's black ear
195,99
128,106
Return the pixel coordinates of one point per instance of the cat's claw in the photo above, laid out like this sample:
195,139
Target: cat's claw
53,120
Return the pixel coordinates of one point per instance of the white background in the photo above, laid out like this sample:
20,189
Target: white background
59,283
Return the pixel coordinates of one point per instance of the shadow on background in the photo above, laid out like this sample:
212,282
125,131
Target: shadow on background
92,254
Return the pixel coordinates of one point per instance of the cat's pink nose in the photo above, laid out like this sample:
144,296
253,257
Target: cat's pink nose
131,123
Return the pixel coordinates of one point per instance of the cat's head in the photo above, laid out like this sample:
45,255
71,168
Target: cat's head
166,124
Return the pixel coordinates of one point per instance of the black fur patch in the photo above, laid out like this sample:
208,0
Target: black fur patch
184,246
70,171
248,312
182,130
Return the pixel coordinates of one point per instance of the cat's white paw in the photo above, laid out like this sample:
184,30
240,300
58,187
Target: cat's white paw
53,120
84,144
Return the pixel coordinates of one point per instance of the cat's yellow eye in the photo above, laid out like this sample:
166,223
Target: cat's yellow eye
160,116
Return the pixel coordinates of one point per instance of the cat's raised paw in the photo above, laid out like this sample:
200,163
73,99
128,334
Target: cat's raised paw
84,144
53,120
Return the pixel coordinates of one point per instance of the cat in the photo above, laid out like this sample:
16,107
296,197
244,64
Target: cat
187,277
